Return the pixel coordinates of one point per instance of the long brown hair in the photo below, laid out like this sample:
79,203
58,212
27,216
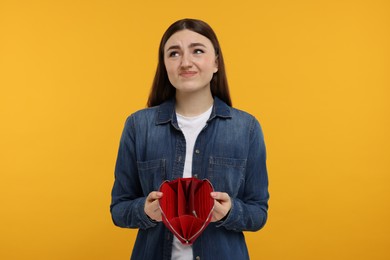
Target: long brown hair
163,90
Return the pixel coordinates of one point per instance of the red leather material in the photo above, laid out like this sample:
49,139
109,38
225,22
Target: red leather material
186,207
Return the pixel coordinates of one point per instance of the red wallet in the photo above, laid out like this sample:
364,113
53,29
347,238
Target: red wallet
186,207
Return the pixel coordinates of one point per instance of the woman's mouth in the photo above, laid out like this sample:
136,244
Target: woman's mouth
187,74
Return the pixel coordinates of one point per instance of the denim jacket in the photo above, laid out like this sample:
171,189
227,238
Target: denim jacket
229,151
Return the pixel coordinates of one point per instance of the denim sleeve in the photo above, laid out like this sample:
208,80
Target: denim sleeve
249,212
128,200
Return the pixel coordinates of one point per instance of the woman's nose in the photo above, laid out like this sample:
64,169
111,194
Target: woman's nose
186,60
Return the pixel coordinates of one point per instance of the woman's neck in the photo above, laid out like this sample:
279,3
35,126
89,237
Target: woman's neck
193,104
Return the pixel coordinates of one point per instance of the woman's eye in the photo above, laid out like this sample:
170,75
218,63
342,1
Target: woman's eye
173,54
198,51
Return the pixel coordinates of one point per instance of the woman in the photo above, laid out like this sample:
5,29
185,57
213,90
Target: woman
190,129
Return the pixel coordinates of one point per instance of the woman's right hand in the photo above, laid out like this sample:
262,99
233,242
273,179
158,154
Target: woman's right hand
152,208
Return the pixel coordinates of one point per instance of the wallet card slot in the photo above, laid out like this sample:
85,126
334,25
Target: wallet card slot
181,200
169,192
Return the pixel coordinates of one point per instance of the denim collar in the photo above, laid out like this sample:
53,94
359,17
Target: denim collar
166,111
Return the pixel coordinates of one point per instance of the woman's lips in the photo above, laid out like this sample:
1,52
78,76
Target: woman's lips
187,74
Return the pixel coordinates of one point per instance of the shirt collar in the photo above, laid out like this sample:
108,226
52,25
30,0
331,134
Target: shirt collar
166,111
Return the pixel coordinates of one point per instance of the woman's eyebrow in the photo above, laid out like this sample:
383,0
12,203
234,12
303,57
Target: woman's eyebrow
197,44
192,45
173,47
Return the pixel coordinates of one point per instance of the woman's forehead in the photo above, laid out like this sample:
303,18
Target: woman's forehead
187,38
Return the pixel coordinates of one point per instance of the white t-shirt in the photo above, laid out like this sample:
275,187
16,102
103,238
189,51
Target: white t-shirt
191,127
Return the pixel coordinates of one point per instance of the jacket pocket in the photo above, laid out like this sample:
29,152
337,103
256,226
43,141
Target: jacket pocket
151,174
226,174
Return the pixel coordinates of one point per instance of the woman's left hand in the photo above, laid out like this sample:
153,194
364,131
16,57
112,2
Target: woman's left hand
222,205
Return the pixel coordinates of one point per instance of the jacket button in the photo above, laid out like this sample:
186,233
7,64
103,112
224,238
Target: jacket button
196,175
197,151
197,258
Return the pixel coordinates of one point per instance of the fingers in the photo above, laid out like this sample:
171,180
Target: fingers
152,208
154,195
222,205
220,196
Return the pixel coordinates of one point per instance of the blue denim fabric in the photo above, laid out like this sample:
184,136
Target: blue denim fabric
229,151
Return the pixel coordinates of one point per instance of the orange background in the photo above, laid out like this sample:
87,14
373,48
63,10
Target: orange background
315,73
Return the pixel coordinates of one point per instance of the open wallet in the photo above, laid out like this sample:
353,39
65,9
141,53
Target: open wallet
186,207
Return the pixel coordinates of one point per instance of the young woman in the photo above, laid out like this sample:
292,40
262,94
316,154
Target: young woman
191,130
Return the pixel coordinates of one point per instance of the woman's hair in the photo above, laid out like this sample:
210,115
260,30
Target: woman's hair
163,90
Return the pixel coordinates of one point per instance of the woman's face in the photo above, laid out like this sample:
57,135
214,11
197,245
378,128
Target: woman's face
190,60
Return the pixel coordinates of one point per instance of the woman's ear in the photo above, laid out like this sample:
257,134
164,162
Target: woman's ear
216,64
